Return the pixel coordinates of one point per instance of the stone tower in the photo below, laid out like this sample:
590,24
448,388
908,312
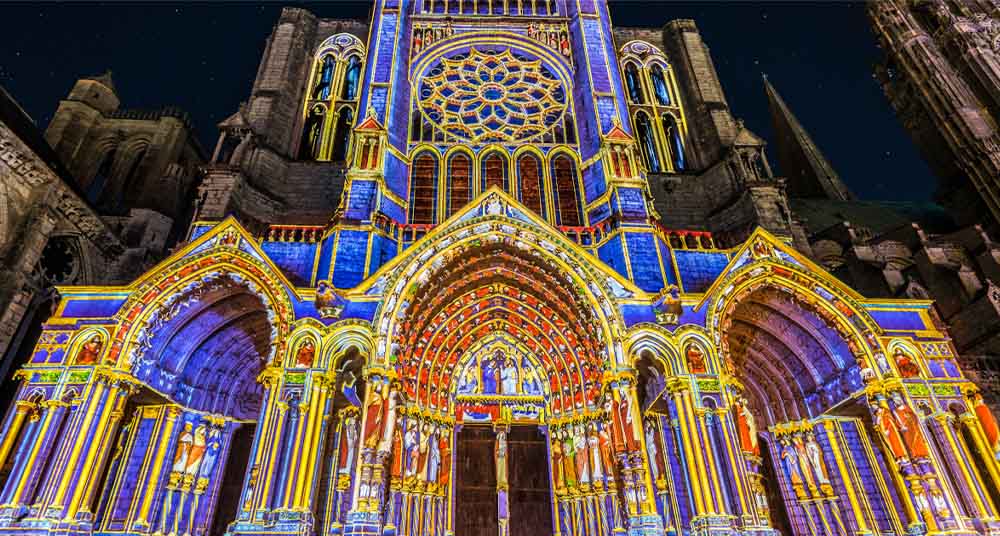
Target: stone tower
942,75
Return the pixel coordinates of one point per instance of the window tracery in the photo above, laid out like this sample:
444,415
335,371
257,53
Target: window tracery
459,182
423,191
490,96
566,191
656,110
331,103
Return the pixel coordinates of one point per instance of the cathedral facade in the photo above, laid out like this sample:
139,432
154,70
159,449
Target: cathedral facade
492,267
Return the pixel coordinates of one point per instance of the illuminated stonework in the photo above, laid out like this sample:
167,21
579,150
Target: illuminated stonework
492,96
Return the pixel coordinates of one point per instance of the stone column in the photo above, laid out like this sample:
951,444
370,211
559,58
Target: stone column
260,473
85,448
163,447
365,517
631,453
23,409
34,452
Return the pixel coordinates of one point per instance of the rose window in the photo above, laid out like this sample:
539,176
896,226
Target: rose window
492,96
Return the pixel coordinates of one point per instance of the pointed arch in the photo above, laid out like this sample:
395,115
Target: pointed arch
342,134
423,187
675,139
530,180
494,171
352,76
633,83
459,181
661,90
647,142
566,190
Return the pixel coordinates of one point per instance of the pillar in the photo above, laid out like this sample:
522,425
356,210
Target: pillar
85,447
34,450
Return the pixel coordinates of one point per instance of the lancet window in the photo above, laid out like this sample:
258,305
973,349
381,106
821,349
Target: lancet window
529,174
567,193
334,89
423,188
459,182
654,102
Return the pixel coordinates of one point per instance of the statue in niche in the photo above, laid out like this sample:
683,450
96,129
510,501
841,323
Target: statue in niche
374,418
444,451
500,451
251,486
423,451
790,458
469,382
183,448
569,459
90,351
747,426
350,431
890,432
816,459
607,459
508,377
594,448
695,359
653,450
988,423
625,413
558,471
491,375
211,454
804,463
530,384
304,355
410,444
582,456
909,425
908,368
433,457
396,469
197,450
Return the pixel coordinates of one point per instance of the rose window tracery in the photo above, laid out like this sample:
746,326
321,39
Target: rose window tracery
492,96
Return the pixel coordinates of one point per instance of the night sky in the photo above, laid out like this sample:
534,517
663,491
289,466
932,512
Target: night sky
203,59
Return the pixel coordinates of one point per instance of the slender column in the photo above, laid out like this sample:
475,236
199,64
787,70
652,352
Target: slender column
85,467
312,448
366,512
20,488
152,483
22,410
679,389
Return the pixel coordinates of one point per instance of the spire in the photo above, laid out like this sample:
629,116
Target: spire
808,172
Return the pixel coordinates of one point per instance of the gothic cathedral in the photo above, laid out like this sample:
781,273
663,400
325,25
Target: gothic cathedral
480,323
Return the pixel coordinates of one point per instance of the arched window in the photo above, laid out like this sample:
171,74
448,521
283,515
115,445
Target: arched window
103,175
423,180
632,82
660,86
566,192
351,76
459,182
494,172
322,89
529,173
648,145
673,133
342,134
312,136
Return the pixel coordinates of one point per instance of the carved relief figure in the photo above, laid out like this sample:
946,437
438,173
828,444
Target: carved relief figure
653,450
423,451
197,450
790,459
90,351
558,472
569,459
890,432
988,423
410,444
305,354
594,448
580,450
747,426
909,425
444,448
695,359
908,368
433,456
508,377
183,448
501,459
350,431
816,459
374,418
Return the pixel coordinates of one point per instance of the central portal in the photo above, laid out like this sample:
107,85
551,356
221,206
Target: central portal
483,507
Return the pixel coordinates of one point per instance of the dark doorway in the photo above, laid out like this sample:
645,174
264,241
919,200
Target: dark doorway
476,483
232,483
530,499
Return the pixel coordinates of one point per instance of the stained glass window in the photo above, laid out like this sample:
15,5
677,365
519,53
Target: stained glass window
322,89
647,143
312,135
529,171
351,76
423,179
632,83
494,171
343,134
459,182
660,86
676,142
491,95
567,194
